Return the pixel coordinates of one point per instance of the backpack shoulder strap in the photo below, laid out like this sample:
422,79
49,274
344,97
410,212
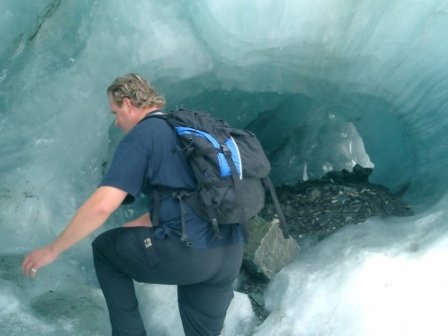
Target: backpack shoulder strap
156,113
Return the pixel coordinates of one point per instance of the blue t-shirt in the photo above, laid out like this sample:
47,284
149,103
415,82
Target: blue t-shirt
149,155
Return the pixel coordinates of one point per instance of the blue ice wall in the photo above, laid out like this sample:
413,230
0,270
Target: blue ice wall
306,68
325,84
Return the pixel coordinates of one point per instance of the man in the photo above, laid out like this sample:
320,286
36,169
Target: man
203,270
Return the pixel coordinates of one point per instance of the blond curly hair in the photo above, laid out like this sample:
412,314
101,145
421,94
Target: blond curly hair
140,92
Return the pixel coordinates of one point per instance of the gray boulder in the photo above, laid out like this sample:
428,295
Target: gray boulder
267,252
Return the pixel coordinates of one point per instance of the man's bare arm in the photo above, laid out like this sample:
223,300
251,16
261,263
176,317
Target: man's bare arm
90,216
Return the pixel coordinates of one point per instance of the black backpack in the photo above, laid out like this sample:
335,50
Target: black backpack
230,167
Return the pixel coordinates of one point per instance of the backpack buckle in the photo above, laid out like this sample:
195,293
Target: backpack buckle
225,149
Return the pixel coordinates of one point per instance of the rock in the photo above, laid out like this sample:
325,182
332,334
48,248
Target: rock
314,210
267,252
359,174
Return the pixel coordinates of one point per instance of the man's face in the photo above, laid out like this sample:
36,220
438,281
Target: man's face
122,115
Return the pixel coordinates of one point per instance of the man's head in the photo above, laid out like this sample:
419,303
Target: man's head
130,98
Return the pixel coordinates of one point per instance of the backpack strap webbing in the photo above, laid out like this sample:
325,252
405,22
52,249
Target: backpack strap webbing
238,189
179,195
155,215
283,226
210,211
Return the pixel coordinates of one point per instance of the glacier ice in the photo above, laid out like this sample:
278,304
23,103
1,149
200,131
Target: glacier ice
325,84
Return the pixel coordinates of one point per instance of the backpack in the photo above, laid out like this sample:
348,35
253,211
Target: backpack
230,167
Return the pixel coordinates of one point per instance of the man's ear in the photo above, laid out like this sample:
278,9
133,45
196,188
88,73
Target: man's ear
127,102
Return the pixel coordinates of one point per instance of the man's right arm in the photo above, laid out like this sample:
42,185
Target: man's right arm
90,216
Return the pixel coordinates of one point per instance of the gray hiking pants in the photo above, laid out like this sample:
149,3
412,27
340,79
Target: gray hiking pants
204,278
